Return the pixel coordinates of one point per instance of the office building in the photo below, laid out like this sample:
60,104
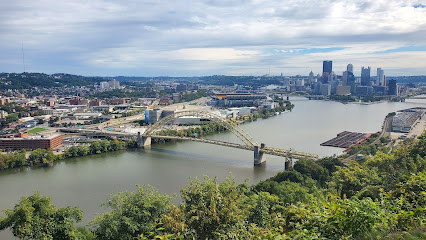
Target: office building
345,78
311,77
380,80
392,87
365,76
325,89
343,90
379,90
364,90
350,68
31,143
327,68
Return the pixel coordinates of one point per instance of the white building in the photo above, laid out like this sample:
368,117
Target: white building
113,84
3,114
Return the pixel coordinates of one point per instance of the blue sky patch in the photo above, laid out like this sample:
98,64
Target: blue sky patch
302,51
405,49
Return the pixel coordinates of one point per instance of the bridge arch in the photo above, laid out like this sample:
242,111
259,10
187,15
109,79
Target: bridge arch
214,117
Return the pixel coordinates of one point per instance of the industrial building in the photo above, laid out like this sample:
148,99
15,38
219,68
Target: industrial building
404,120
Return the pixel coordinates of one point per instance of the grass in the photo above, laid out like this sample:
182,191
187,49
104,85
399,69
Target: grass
36,130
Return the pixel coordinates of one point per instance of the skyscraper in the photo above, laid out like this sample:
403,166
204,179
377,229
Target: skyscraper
327,67
365,76
350,68
345,78
380,80
311,77
392,87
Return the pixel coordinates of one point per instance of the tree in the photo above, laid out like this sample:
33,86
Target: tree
19,158
348,181
83,150
35,218
212,209
42,156
291,175
265,208
95,148
330,163
133,213
312,169
104,146
287,192
72,151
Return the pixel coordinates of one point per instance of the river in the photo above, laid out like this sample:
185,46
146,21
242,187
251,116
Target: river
86,182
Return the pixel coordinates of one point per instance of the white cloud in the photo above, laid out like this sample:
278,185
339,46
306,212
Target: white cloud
209,36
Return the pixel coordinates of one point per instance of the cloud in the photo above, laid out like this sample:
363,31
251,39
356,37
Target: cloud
129,37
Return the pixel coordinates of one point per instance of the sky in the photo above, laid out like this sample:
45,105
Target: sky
211,37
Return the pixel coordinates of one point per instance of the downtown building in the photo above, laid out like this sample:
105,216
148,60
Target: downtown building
365,76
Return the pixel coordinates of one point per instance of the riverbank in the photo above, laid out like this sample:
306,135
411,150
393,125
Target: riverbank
46,158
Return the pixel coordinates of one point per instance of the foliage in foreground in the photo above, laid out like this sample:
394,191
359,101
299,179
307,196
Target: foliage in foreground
383,197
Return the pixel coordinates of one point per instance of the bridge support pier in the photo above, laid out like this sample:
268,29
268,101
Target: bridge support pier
259,157
288,163
143,141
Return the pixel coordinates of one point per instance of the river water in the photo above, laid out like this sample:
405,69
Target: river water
86,182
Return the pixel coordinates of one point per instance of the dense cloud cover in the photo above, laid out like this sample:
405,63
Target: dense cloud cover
205,37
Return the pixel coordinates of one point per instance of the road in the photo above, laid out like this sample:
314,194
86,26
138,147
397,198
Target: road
386,129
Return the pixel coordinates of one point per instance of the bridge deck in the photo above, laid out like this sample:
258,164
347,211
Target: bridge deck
267,150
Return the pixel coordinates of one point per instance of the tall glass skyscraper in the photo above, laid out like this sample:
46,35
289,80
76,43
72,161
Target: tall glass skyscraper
327,67
393,90
365,76
380,81
350,68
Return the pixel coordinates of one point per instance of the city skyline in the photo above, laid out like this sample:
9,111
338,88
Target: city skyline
211,37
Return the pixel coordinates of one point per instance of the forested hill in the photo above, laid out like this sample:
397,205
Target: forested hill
30,80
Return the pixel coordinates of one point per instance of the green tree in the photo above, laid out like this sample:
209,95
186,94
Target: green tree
348,181
312,169
330,163
35,217
290,175
335,218
72,151
287,192
104,146
133,213
95,147
212,209
19,158
83,150
42,156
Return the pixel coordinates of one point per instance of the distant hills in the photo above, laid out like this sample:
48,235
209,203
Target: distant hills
30,80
